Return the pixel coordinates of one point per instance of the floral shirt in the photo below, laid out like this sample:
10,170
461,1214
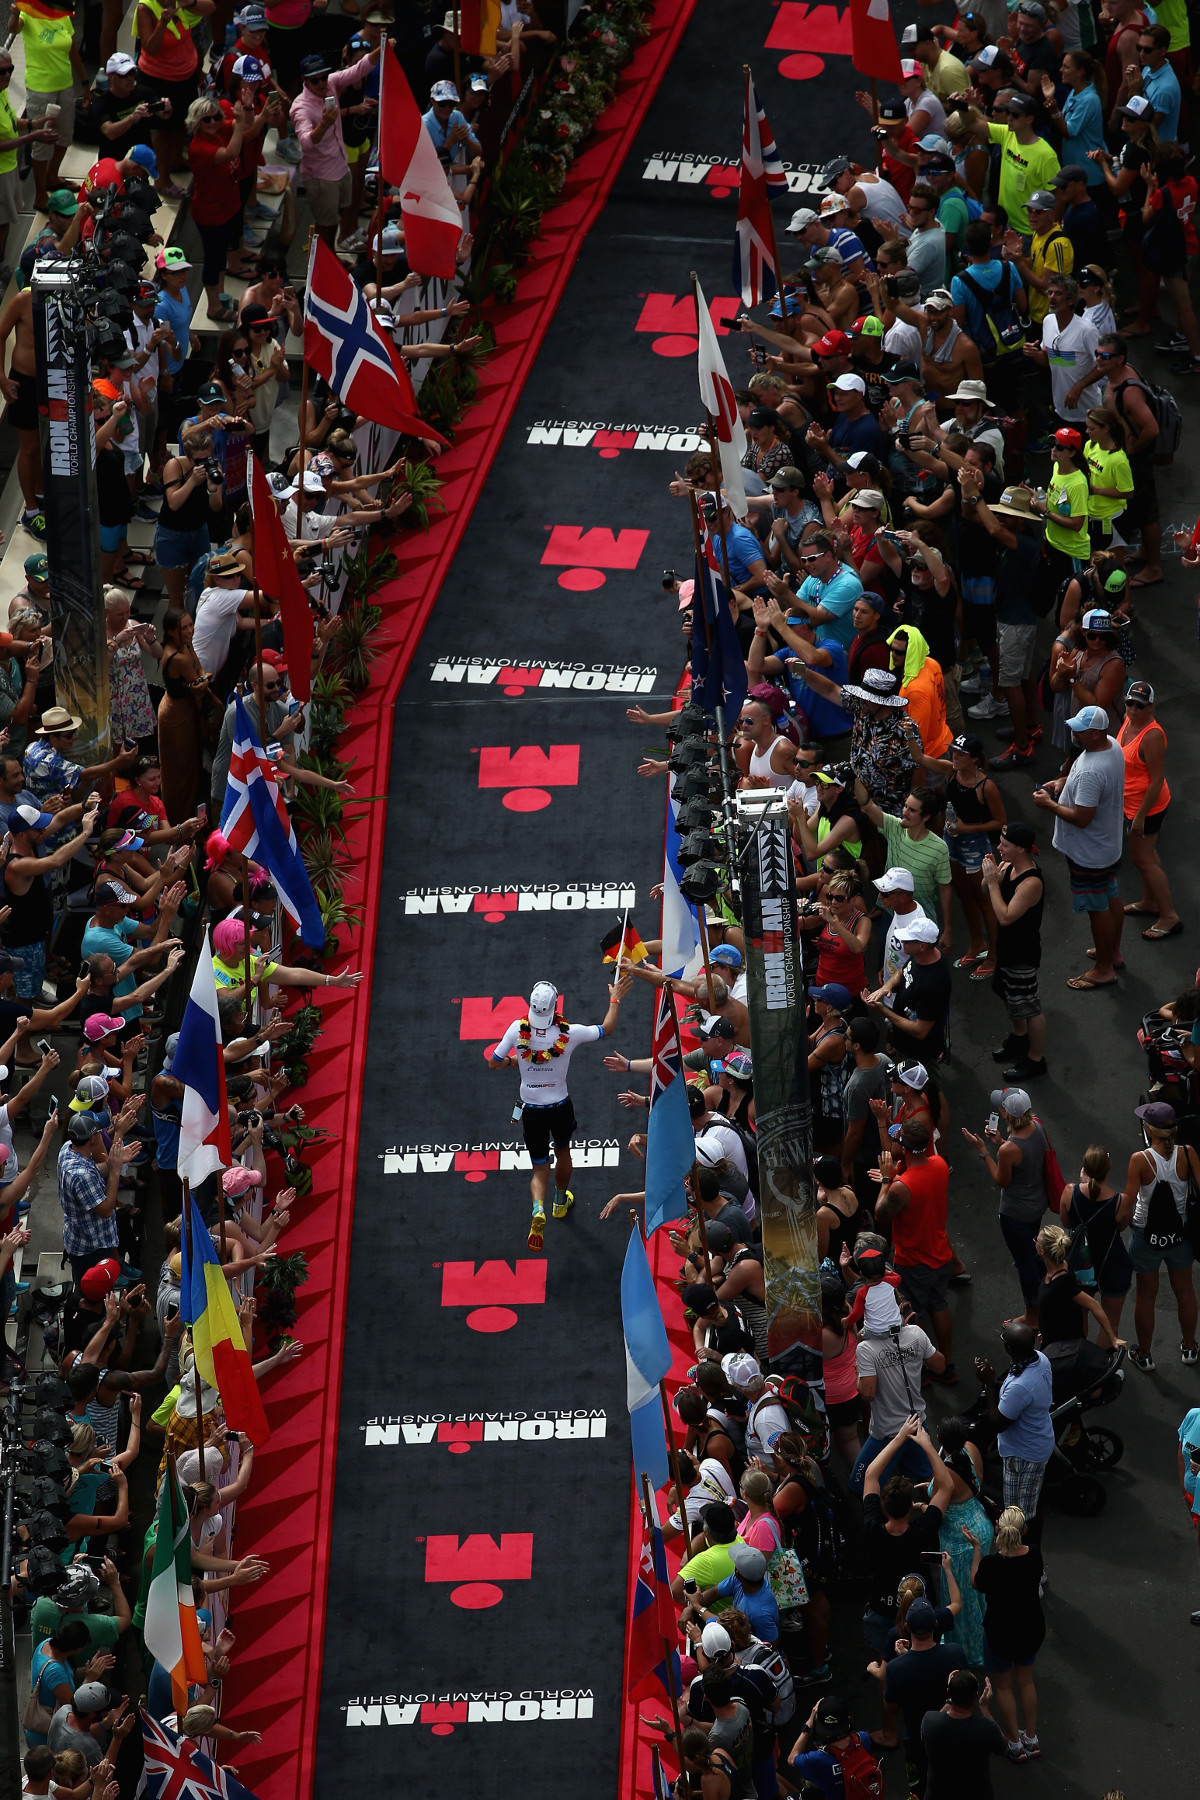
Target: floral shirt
767,462
880,752
129,697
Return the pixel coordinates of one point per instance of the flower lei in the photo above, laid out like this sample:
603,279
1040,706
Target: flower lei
555,1049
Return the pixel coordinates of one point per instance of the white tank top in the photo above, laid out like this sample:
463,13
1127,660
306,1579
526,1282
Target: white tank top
1164,1170
882,201
760,765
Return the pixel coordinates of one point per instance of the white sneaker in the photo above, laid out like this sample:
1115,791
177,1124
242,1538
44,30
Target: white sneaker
976,684
989,708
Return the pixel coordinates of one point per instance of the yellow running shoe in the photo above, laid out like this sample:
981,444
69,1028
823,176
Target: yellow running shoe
562,1203
537,1227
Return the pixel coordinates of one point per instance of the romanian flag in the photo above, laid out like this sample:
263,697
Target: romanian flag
171,1632
477,22
634,950
222,1358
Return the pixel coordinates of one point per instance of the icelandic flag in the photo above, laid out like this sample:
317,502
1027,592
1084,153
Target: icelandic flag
175,1771
754,272
670,1140
717,398
654,1630
718,676
255,820
647,1361
433,225
200,1065
680,932
347,346
222,1358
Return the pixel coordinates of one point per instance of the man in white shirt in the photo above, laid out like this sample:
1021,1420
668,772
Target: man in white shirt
1069,347
896,889
1089,823
541,1046
225,606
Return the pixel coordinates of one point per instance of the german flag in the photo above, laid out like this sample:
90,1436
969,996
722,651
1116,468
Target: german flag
634,952
477,22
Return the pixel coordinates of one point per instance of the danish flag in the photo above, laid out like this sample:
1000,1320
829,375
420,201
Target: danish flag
346,345
754,251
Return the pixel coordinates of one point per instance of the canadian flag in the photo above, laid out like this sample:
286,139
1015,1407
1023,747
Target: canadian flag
873,40
716,395
408,161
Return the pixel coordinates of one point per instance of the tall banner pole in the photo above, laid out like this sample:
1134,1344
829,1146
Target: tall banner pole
68,452
782,1104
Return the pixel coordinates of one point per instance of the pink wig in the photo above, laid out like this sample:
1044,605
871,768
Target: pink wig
218,847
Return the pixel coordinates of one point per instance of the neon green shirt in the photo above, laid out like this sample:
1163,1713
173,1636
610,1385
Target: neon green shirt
1024,168
1109,469
48,53
8,129
1074,487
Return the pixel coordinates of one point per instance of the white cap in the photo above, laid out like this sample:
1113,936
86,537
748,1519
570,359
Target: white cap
851,384
917,930
871,498
312,485
882,1310
909,35
805,216
715,1640
740,1369
896,881
543,1003
914,1075
710,1154
119,64
909,68
834,203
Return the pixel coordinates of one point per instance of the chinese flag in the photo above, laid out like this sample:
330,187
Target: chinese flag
874,50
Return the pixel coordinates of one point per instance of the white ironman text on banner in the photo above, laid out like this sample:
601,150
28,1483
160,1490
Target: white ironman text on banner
463,1159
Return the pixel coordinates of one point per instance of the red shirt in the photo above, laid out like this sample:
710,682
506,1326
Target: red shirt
1183,199
215,194
919,1231
103,174
899,174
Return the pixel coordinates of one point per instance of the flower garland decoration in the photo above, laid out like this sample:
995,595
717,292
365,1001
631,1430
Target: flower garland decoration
555,1049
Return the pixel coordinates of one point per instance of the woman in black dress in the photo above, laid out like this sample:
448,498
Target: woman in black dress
1013,1624
1092,1202
1063,1303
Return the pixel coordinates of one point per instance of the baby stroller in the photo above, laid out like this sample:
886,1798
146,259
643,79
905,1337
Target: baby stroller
1170,1077
1085,1377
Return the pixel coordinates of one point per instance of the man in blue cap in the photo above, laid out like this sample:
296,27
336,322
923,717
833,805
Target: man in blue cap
1089,819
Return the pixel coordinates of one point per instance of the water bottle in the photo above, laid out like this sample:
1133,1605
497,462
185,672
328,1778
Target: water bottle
951,817
1063,508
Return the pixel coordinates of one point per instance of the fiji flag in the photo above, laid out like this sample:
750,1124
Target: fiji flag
200,1064
718,675
255,820
670,1140
653,1627
647,1361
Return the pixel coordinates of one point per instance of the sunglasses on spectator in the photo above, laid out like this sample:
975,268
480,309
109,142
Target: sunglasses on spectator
1135,705
6,70
806,560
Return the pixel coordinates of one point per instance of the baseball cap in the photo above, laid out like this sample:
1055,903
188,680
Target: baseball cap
30,819
313,66
832,993
921,1618
935,145
211,395
37,566
1020,103
1070,440
909,68
238,1181
940,300
804,217
896,881
63,202
1097,618
1020,833
1041,201
1089,718
101,1278
740,1369
892,111
748,1561
171,257
1136,107
986,58
82,1127
119,64
115,893
864,462
833,1717
169,1049
829,253
144,156
715,1640
728,954
740,1066
1157,1114
787,478
248,68
444,90
699,1298
91,1091
850,384
869,499
100,1025
1141,691
1071,172
92,1697
968,744
715,1026
251,18
913,1075
1116,582
834,343
868,326
916,931
309,482
1014,1101
835,167
543,1002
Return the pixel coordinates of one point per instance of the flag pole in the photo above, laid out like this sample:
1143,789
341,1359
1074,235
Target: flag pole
693,1183
700,919
670,1650
381,184
303,444
187,1234
874,92
457,52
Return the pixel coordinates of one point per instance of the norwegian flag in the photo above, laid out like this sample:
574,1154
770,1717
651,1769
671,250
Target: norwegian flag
255,820
346,345
716,396
174,1771
755,272
670,1140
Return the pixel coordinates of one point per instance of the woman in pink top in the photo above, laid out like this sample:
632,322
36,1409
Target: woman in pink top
169,64
838,1344
760,1527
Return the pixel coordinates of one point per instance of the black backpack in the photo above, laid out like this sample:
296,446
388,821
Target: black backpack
1164,249
1164,1227
1005,326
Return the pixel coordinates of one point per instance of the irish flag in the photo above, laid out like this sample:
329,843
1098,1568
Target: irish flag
221,1354
171,1633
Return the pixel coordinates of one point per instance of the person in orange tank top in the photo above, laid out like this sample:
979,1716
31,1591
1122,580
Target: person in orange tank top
1144,746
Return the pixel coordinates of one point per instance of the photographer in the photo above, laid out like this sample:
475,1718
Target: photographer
194,496
169,64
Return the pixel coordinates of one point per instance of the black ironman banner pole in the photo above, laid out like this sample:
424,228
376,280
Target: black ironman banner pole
775,1000
68,460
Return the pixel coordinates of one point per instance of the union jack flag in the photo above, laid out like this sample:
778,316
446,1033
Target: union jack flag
670,1140
754,253
255,820
174,1771
345,344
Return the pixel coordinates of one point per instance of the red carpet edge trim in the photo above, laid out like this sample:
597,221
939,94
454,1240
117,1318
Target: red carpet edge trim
275,1684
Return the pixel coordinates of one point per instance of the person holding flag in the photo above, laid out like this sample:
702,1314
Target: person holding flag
541,1046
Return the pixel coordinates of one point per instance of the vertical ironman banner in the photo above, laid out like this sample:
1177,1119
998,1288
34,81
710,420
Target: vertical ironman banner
775,999
68,446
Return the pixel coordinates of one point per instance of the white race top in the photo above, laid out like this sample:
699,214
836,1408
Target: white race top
545,1084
